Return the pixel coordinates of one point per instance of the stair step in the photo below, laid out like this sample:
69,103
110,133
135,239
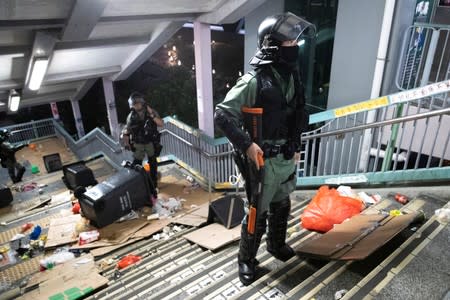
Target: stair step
148,253
343,275
119,290
280,280
262,257
152,275
396,263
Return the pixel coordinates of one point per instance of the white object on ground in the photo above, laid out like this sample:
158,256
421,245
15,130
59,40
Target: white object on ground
443,215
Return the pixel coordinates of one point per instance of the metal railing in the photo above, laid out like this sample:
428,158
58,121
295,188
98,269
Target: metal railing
425,58
420,149
31,130
94,143
209,159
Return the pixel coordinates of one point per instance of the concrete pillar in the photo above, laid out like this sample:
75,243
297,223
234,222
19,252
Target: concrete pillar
355,48
55,111
111,108
77,117
203,73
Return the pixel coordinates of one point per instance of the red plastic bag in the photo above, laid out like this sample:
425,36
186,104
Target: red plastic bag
328,208
128,260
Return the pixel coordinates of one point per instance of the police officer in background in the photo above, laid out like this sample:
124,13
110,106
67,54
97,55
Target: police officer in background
274,86
8,156
140,133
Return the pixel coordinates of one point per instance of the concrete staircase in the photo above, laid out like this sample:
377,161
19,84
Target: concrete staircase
413,265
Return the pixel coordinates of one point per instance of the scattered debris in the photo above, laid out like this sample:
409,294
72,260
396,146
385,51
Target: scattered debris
60,256
153,217
25,227
130,216
167,207
340,294
395,212
443,215
367,199
88,237
76,208
34,235
127,261
26,187
401,198
19,241
82,261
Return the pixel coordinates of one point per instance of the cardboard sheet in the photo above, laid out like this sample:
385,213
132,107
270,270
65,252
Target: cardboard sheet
62,231
190,220
214,236
194,217
103,247
356,238
64,281
116,233
153,227
120,232
100,251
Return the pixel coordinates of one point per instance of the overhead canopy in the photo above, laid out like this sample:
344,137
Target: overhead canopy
89,39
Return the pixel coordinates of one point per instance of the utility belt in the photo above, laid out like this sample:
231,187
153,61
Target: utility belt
287,149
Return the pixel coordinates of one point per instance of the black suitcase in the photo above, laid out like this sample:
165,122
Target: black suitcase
78,174
115,197
6,196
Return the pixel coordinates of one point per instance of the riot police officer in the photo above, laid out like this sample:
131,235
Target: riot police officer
140,133
274,86
8,156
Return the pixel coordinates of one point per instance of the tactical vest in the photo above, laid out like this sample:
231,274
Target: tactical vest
280,120
143,131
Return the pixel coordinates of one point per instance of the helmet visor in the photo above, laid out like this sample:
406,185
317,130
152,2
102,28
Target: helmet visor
291,27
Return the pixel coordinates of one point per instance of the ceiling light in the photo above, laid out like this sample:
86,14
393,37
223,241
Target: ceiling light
301,43
14,100
38,70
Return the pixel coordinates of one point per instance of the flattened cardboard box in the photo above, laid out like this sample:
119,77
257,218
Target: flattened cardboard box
356,238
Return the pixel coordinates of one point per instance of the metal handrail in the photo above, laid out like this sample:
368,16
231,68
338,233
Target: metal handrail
194,147
378,124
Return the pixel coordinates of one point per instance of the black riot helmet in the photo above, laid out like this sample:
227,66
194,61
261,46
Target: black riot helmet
276,29
136,97
4,135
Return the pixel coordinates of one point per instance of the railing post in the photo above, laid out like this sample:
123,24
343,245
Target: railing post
430,58
35,132
392,140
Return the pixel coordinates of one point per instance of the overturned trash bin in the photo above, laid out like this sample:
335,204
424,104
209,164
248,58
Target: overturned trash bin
129,189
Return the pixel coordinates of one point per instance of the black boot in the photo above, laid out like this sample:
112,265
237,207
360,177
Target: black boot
276,235
20,172
248,247
12,174
154,170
